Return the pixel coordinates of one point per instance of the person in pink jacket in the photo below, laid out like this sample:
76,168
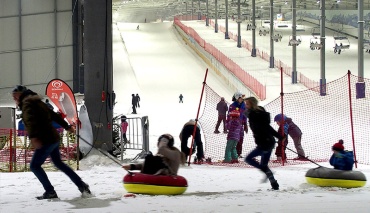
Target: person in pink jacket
124,126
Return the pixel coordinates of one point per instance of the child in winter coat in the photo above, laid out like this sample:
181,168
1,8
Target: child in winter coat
342,160
280,149
295,133
235,127
167,161
124,126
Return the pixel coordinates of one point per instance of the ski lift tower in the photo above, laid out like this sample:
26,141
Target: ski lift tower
239,21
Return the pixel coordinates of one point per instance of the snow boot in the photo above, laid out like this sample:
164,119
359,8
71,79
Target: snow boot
275,185
48,195
84,188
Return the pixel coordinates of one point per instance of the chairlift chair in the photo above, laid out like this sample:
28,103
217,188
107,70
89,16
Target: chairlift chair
315,43
294,42
263,31
277,36
341,43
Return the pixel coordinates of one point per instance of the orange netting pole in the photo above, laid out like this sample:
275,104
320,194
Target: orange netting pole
283,157
351,116
196,119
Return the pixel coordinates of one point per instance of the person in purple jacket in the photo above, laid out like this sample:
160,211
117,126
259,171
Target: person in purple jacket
295,133
222,109
235,127
239,103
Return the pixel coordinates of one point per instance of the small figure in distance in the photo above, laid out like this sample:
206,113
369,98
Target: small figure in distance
181,97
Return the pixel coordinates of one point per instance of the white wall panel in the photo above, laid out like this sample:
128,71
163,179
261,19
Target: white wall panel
37,6
64,28
9,8
38,66
64,5
38,31
65,63
9,69
9,34
36,41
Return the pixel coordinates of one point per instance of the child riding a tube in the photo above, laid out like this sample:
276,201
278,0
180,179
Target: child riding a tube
341,159
166,162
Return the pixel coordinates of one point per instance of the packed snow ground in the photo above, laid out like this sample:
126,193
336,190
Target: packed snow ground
159,68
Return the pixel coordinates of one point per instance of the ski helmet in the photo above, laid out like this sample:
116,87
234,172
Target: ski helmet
235,114
279,117
238,95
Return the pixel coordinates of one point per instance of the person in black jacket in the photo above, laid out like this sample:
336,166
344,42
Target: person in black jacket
185,134
134,103
263,133
38,118
137,100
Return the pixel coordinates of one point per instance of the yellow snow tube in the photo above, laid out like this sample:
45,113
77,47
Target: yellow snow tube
328,177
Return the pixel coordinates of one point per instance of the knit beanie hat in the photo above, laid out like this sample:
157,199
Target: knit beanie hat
338,146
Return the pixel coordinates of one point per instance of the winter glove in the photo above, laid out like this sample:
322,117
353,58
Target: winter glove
71,129
246,129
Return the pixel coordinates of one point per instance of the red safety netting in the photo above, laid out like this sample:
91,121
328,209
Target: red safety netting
16,151
323,119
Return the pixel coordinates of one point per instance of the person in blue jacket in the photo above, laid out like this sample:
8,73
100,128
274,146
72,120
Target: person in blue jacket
341,159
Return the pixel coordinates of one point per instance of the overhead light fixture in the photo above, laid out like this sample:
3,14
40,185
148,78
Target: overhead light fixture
286,2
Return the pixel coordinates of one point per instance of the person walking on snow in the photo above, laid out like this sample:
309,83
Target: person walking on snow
137,100
133,102
181,97
263,133
38,118
222,109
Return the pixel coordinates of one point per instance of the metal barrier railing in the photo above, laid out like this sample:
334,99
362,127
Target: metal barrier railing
137,135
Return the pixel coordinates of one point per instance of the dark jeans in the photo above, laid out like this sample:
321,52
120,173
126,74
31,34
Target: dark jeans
39,158
197,145
223,119
265,157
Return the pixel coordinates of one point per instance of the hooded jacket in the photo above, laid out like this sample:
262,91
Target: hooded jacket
293,129
263,133
37,118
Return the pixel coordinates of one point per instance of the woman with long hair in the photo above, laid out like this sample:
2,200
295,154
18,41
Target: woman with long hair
263,133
